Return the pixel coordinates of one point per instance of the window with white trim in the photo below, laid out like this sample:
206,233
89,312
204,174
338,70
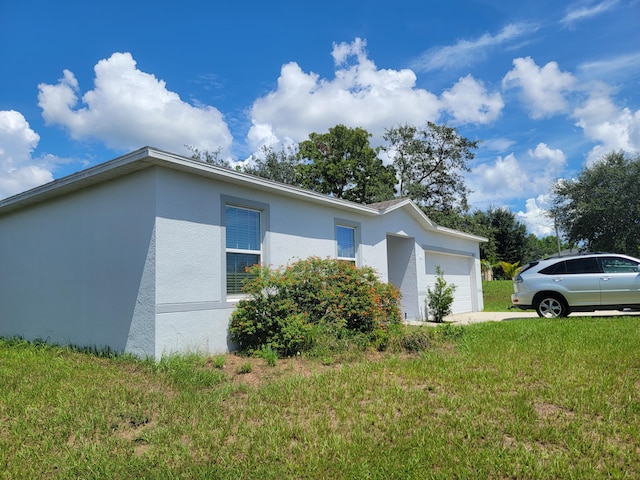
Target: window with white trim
243,245
346,240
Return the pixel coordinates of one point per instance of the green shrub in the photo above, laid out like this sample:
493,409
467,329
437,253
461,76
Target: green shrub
283,305
440,299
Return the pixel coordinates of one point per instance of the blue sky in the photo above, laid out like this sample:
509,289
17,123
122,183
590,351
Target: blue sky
547,86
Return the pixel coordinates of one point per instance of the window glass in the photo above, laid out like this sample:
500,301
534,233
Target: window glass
618,265
346,238
558,268
243,245
243,228
582,265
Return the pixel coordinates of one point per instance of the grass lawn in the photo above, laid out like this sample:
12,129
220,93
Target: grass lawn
497,295
520,399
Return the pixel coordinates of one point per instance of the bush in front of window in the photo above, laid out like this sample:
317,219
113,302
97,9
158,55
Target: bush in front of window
284,305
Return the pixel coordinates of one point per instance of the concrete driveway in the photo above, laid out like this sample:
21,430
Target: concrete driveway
477,317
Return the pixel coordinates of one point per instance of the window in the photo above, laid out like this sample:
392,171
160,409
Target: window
346,239
618,265
242,245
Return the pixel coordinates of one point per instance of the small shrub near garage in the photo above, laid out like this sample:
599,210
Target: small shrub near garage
285,307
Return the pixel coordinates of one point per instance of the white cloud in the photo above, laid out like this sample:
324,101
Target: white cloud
555,157
582,10
536,216
18,171
504,179
360,95
469,102
543,88
511,178
467,52
602,121
128,109
616,68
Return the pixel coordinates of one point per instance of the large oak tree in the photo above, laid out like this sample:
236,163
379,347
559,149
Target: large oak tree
343,164
600,209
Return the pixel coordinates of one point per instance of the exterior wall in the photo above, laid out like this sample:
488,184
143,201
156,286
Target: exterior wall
193,309
138,263
80,269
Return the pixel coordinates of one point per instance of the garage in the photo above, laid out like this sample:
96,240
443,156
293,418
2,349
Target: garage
458,271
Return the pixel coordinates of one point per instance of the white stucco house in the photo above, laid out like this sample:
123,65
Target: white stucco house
145,253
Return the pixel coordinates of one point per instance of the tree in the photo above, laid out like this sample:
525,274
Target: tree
343,164
281,166
600,209
508,239
208,156
429,163
439,301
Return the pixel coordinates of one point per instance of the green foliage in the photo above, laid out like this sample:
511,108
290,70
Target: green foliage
508,269
429,162
269,355
280,166
219,361
284,305
600,210
246,367
343,164
213,157
440,299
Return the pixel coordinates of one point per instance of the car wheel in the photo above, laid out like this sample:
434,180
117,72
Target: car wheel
551,306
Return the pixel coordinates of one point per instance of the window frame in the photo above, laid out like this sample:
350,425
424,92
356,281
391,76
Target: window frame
263,219
355,228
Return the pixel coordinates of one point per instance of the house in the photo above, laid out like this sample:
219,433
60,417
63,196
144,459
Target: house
146,253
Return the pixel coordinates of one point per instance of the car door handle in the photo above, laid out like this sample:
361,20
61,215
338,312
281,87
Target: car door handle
557,279
604,279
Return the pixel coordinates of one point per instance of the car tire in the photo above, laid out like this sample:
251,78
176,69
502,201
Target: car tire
551,306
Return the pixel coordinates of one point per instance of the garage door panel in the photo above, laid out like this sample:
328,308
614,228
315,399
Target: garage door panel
457,271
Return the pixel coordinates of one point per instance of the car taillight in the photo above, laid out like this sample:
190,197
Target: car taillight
517,279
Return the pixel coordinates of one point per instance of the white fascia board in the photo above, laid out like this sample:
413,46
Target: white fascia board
423,219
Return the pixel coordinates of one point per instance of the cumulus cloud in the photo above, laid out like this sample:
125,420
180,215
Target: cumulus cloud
467,52
360,95
18,171
536,216
613,127
498,181
511,178
128,109
469,102
543,88
555,157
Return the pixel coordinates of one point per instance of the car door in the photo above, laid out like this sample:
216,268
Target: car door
619,281
581,281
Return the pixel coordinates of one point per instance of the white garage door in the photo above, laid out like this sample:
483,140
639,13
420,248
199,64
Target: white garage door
457,271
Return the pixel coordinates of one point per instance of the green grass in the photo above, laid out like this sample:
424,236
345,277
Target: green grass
497,295
519,399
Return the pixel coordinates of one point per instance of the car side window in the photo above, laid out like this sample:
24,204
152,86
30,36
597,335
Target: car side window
558,268
582,265
618,265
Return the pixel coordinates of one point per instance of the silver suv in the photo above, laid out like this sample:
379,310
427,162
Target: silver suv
557,286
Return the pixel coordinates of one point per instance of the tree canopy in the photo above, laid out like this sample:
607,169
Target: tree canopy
429,163
600,209
279,165
343,164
